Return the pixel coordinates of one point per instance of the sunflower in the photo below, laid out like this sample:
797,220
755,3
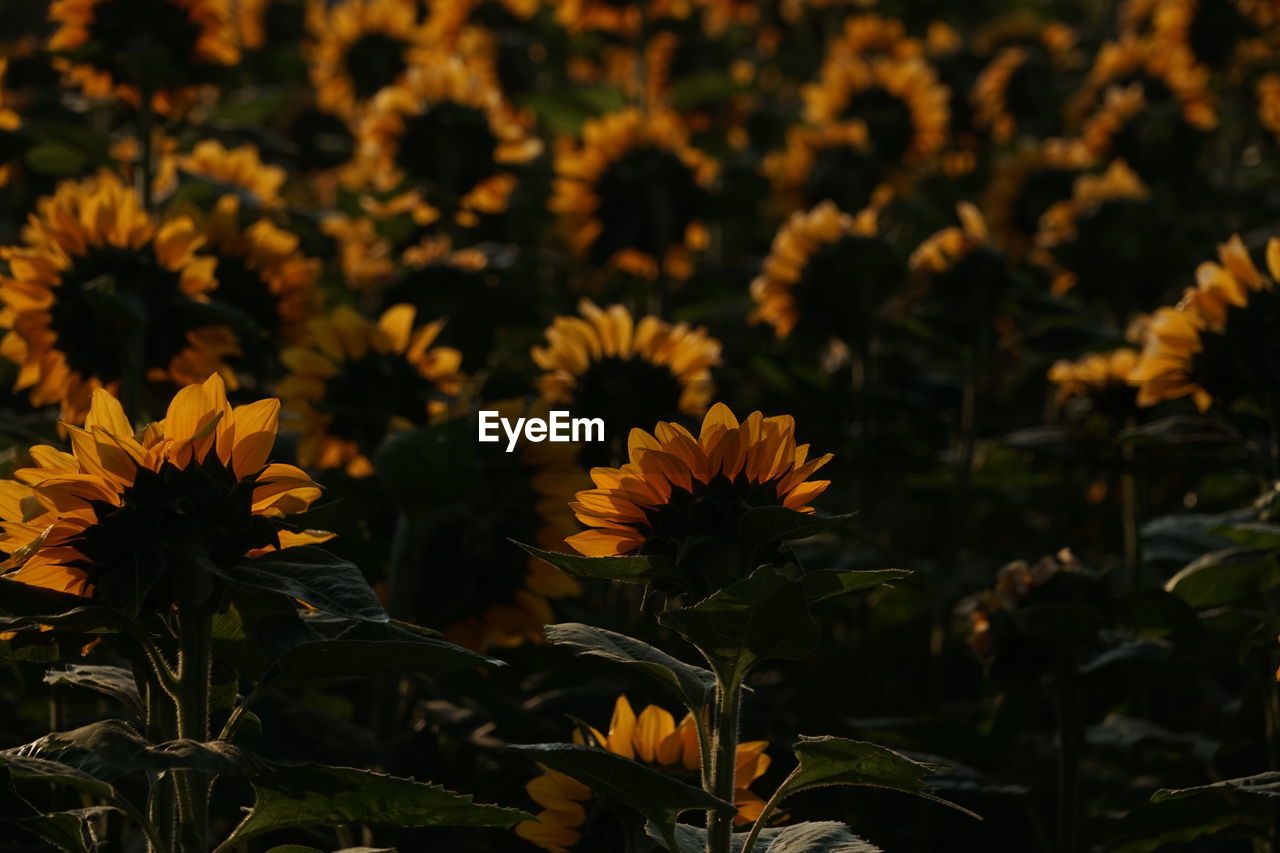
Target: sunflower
681,497
261,271
1218,342
358,381
182,41
89,250
1026,183
901,102
612,366
492,35
359,48
1215,32
239,168
1014,91
833,162
366,259
960,279
442,142
942,252
499,595
625,19
1017,584
196,484
819,258
875,35
1101,378
1268,91
630,190
652,737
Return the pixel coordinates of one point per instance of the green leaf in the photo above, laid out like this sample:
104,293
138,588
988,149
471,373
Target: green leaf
1261,785
1257,534
24,606
317,795
811,837
1222,577
108,749
67,831
331,661
114,682
826,761
621,569
768,525
54,158
692,684
37,769
314,576
661,799
827,584
702,88
760,617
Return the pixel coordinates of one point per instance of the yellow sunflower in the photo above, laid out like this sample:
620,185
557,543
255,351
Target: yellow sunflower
101,39
1015,582
679,489
1096,376
442,142
901,101
652,737
1216,32
1017,84
620,19
241,168
1268,92
798,277
87,247
357,48
197,479
359,381
942,251
875,35
1026,183
833,162
1216,342
629,191
611,365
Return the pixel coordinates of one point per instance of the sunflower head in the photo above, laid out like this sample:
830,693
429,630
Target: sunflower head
1217,343
681,497
1099,379
626,371
100,292
1026,184
834,162
138,519
630,192
358,381
239,169
1217,33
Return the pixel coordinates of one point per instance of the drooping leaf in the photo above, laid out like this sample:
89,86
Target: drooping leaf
692,684
1256,534
340,659
111,681
621,569
65,831
109,749
1221,577
1260,785
34,768
810,837
826,584
314,576
768,525
318,795
760,617
23,606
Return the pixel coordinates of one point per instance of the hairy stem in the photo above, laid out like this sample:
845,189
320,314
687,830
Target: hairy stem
724,759
195,638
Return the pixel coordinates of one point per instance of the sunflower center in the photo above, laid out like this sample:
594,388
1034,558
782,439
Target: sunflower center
627,392
166,518
127,33
465,296
647,197
448,147
114,302
1216,27
709,513
889,122
843,285
322,140
374,62
371,391
246,290
1243,357
1025,96
1039,190
844,175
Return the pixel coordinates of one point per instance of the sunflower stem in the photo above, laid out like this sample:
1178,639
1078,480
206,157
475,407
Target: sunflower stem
161,724
1067,719
145,121
195,659
724,759
767,812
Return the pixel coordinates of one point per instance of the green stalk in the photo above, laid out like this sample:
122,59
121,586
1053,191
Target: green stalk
161,725
767,812
724,758
195,659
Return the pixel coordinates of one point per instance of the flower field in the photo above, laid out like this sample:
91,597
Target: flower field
592,426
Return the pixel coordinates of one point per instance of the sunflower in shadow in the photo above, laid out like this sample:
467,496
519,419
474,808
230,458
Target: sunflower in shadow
120,515
357,381
497,36
441,143
1016,92
827,276
1100,380
101,294
961,278
627,371
623,18
681,497
1217,33
357,48
866,35
652,737
900,101
1218,343
833,162
630,191
498,595
240,168
1025,184
123,48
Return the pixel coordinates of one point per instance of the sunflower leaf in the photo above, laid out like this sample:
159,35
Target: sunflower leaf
344,658
692,683
622,569
811,837
24,606
760,617
826,761
767,525
1265,785
658,797
826,584
318,795
114,682
21,767
1221,577
314,576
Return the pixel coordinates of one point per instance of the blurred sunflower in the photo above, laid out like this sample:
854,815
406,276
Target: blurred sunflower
100,293
1018,584
239,168
943,251
1015,91
719,15
1025,184
834,162
901,102
365,258
961,278
681,497
1215,32
358,381
826,275
123,47
630,192
651,737
1100,378
1218,342
1268,92
610,365
494,36
196,483
625,19
441,143
868,35
358,48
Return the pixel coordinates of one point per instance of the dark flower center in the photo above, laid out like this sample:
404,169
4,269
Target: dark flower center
246,290
627,392
1028,96
133,39
368,392
1244,357
449,148
322,140
647,200
118,305
469,298
374,62
1040,189
843,287
888,118
1216,28
843,175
